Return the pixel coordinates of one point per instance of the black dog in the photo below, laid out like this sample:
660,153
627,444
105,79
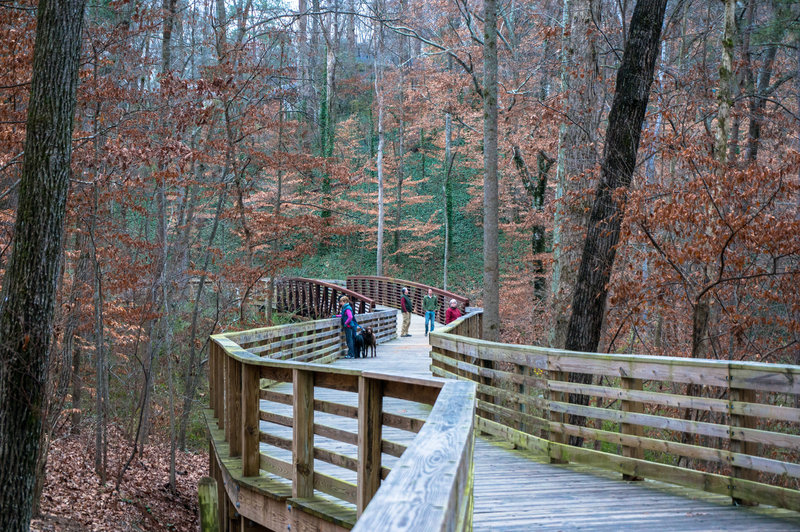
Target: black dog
368,337
358,344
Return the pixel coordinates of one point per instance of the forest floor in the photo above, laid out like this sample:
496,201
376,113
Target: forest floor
74,499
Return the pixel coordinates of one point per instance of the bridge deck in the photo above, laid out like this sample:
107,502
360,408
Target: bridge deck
516,490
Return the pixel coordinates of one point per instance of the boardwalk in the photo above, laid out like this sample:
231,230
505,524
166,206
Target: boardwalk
516,490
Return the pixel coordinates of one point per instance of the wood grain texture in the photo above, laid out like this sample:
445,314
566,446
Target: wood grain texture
303,435
370,416
517,489
428,475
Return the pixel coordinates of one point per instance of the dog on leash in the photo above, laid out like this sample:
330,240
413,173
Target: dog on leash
369,341
358,344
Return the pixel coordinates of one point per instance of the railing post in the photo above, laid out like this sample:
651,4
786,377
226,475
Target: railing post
233,412
303,434
555,417
738,445
370,414
251,460
213,387
222,382
636,407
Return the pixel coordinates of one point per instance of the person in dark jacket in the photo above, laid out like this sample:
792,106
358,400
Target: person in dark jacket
349,324
452,313
405,307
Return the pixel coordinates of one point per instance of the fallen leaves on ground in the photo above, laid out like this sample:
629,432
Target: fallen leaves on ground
74,498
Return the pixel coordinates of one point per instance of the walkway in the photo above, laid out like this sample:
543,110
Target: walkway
516,490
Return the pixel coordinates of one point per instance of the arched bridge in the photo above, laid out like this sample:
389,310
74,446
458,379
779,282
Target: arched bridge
450,432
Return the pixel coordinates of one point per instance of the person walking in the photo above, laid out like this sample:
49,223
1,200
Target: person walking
429,304
452,313
405,308
349,324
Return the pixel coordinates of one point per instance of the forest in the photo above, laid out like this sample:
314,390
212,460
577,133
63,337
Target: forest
220,145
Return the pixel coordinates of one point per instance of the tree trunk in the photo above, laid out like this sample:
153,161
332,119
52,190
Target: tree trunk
446,195
491,277
634,79
575,179
724,94
29,286
379,162
758,103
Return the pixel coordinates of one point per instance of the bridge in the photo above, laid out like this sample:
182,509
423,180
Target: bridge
450,432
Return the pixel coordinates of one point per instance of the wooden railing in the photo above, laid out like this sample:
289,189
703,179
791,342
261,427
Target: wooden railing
726,427
316,299
274,445
386,291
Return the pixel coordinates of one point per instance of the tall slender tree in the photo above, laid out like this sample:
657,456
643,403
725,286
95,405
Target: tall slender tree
491,269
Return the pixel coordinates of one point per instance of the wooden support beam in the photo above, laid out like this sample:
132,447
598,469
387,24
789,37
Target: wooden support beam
744,447
233,395
557,417
251,376
213,389
303,435
627,428
370,415
208,502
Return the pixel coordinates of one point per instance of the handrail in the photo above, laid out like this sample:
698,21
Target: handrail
251,457
726,427
316,299
386,291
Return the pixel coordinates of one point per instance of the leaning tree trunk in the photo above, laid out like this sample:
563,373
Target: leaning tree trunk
29,286
625,120
491,278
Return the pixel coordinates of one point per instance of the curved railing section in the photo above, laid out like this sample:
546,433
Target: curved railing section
316,299
289,457
386,291
731,428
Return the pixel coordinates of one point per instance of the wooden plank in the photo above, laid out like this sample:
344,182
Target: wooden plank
774,412
335,434
392,448
277,441
740,446
277,397
720,456
336,409
275,466
777,378
333,486
424,486
632,451
250,434
512,417
347,382
776,439
410,424
303,435
233,425
498,375
370,417
278,419
410,391
337,459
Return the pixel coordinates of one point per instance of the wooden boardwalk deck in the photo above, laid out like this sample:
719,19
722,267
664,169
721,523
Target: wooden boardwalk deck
516,490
